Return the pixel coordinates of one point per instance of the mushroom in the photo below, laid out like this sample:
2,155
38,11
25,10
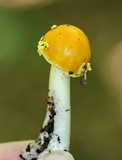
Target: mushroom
67,49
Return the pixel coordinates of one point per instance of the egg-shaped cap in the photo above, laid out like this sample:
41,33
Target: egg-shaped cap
68,48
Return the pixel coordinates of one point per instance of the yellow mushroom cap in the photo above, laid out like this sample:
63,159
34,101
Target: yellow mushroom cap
68,48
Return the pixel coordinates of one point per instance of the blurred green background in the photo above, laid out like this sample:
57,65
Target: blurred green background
96,108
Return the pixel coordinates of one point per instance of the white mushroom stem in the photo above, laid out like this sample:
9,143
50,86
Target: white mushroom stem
55,132
59,89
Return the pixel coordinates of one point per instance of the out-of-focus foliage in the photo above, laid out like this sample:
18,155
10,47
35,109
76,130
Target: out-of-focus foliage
24,3
96,108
